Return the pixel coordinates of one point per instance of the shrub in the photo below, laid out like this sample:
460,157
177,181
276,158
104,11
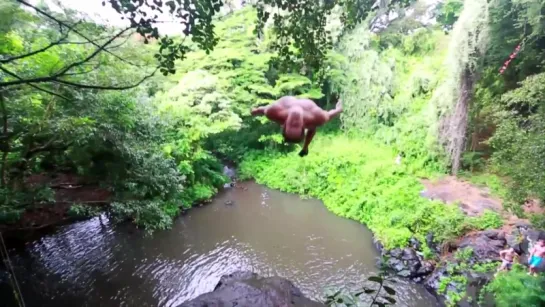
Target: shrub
358,179
515,288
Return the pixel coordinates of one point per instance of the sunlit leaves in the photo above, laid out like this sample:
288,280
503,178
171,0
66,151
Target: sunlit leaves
302,36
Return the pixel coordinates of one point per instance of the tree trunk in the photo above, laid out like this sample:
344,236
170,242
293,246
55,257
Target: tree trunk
6,148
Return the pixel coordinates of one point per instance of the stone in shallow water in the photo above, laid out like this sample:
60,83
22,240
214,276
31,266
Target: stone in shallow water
248,289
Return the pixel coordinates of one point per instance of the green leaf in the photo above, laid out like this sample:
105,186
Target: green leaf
389,290
376,279
389,299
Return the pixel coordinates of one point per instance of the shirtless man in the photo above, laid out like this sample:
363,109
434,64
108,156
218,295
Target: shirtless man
507,256
295,115
537,253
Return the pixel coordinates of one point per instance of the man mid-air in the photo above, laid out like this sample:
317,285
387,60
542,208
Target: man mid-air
295,115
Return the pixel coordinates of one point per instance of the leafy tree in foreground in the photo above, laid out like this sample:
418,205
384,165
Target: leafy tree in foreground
299,26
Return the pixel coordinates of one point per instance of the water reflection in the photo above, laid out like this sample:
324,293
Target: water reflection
93,263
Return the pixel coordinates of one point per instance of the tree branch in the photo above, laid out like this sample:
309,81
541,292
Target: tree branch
73,30
106,87
30,84
22,56
3,179
122,43
56,79
60,72
95,67
92,55
59,42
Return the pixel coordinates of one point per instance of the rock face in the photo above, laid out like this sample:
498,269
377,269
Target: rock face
407,262
486,245
247,289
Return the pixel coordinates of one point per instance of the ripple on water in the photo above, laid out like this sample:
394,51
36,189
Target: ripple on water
93,263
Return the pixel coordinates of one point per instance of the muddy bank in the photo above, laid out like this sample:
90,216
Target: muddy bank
52,208
67,190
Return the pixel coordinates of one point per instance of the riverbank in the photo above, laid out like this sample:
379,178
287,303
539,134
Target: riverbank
64,198
271,233
437,230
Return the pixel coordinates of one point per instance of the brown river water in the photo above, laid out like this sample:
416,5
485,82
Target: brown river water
94,263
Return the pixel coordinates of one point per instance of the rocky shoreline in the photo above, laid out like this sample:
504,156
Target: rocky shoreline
444,274
462,267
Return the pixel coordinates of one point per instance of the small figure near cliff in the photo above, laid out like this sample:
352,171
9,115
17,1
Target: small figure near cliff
507,256
537,253
295,115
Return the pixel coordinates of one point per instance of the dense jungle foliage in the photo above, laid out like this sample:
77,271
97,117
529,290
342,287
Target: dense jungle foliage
428,86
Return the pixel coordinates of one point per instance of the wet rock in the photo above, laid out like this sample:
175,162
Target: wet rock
379,247
229,185
523,224
418,279
414,266
409,254
484,248
426,268
404,273
396,264
494,234
514,241
415,243
407,263
433,281
229,202
396,253
248,289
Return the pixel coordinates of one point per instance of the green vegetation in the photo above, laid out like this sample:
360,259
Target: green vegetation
358,179
83,99
516,288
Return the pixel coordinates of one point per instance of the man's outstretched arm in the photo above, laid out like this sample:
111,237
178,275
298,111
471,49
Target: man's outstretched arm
259,111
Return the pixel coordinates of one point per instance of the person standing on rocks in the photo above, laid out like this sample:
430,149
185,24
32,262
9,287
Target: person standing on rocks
507,256
537,253
295,115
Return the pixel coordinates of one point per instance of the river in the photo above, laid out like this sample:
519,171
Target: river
94,263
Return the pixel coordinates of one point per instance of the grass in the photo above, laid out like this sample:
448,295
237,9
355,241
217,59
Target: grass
358,179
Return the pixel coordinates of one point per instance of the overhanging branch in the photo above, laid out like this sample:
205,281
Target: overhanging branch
60,22
61,72
59,42
106,87
56,79
30,84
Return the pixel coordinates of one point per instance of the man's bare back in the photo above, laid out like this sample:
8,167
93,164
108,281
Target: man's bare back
295,115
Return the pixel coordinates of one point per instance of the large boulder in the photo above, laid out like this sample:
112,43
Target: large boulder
407,263
247,289
486,245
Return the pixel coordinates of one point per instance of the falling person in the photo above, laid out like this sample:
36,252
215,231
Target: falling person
295,115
